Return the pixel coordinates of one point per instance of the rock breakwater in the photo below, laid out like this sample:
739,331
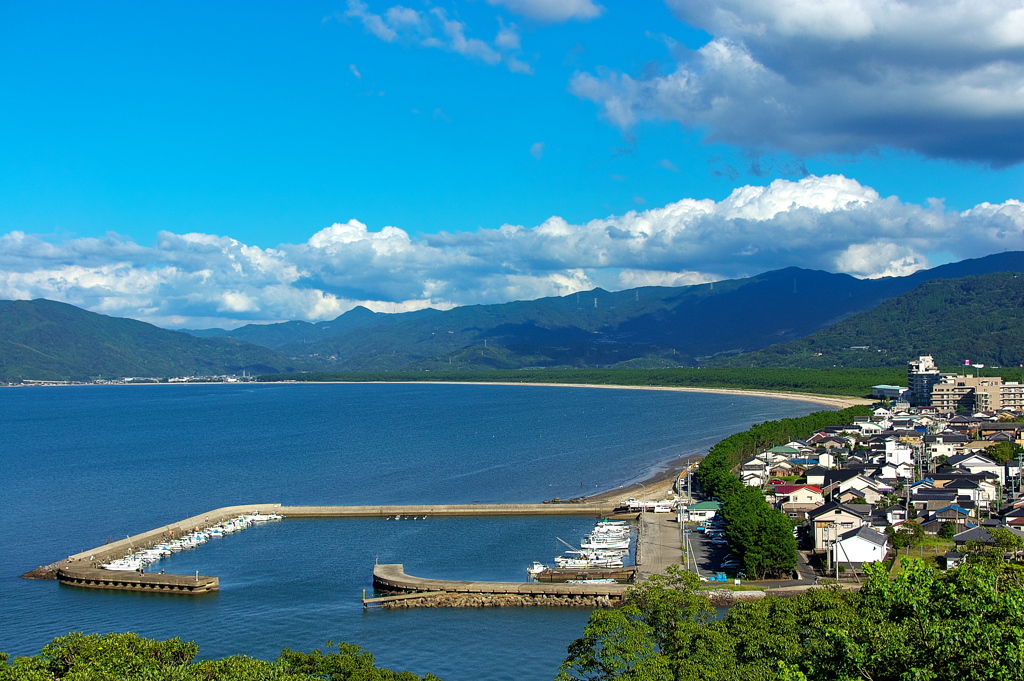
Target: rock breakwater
454,600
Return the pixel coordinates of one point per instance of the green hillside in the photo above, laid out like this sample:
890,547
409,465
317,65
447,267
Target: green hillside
46,340
979,318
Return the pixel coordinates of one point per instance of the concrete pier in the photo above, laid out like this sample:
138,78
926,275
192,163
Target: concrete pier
602,510
125,580
391,578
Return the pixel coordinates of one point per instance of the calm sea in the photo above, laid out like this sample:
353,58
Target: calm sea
83,465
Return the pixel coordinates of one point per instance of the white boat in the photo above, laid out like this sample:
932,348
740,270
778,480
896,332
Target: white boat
600,553
591,542
262,517
536,568
563,562
587,560
126,564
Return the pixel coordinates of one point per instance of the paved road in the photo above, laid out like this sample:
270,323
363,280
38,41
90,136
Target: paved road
660,544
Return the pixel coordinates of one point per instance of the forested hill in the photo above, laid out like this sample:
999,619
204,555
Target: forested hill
978,318
47,340
647,327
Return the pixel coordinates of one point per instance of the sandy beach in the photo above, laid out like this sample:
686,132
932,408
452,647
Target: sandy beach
836,401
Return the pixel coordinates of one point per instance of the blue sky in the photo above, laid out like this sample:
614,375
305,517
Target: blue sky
184,162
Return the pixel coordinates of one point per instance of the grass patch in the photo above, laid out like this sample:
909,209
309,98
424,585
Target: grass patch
729,586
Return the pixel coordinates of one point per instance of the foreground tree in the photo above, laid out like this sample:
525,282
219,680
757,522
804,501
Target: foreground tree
924,624
129,657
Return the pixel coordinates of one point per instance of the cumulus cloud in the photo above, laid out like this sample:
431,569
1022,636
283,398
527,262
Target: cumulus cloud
552,11
832,223
433,28
944,78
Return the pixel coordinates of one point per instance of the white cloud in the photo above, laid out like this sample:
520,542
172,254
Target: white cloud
637,278
537,150
942,78
508,37
433,28
374,23
552,11
832,223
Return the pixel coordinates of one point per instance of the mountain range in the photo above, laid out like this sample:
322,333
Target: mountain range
645,327
724,323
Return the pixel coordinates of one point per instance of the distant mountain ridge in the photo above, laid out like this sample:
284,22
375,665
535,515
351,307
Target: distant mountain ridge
47,340
276,336
643,327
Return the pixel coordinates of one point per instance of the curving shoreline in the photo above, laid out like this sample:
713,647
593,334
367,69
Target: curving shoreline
654,486
660,484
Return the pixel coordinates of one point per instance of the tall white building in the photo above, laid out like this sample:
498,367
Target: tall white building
922,375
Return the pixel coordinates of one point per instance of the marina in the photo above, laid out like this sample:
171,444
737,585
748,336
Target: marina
121,565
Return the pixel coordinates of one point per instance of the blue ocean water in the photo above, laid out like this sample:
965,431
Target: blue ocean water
83,465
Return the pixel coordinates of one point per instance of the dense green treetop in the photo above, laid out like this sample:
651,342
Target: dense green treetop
129,657
924,624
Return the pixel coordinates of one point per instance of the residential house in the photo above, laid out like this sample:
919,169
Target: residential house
978,463
797,501
702,511
859,546
833,519
959,516
982,535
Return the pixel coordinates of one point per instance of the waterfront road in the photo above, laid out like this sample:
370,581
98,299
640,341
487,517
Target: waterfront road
660,544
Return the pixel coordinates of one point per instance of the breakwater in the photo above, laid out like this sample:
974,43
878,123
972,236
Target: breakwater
123,580
81,569
424,592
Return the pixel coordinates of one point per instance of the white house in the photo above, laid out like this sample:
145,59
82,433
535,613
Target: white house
859,546
897,453
702,511
976,463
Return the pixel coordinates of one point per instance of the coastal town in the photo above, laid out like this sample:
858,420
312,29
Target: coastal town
935,467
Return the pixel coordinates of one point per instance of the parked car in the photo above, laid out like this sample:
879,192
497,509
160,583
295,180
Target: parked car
730,564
